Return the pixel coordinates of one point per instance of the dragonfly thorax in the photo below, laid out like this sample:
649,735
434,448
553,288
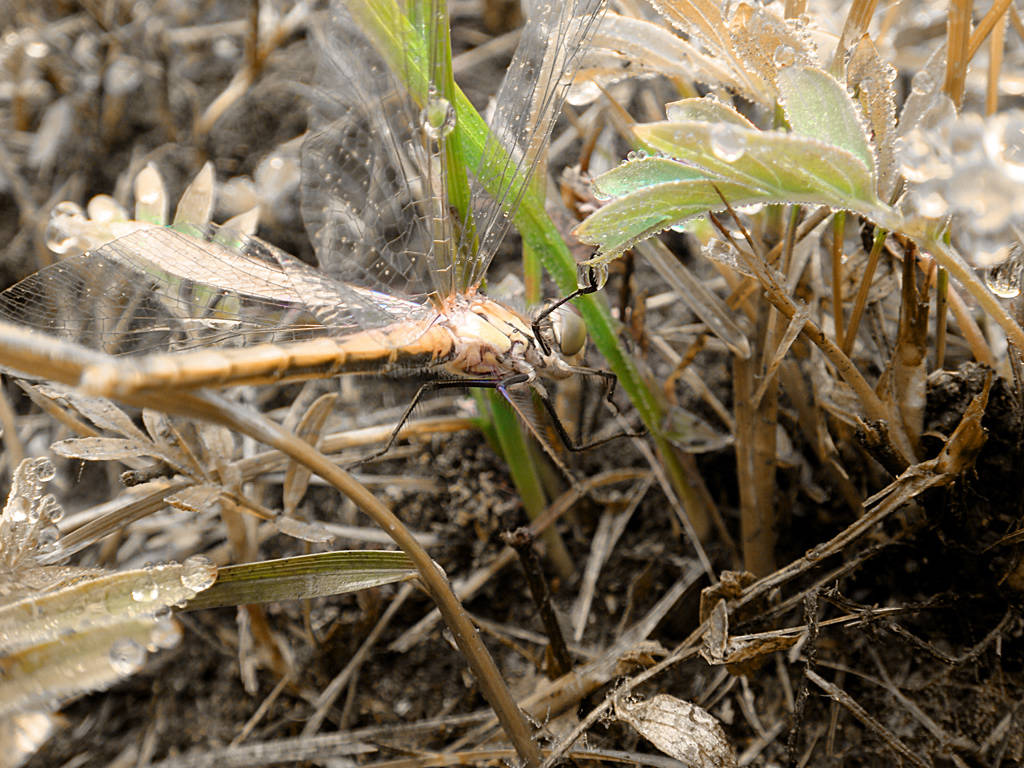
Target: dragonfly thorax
493,340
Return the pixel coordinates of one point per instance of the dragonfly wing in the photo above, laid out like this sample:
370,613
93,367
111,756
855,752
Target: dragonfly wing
366,192
525,111
158,289
344,308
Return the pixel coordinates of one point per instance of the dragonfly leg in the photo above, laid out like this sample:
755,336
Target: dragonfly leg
429,386
583,290
545,398
563,434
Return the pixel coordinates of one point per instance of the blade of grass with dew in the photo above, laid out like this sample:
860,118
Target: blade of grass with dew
424,38
304,576
93,601
538,232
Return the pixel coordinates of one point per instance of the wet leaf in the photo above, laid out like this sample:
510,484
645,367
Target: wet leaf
196,205
743,165
305,576
195,498
299,529
816,105
105,415
679,729
150,196
103,448
107,600
44,675
872,78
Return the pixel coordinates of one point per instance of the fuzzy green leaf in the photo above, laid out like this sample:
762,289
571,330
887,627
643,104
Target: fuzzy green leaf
745,165
817,106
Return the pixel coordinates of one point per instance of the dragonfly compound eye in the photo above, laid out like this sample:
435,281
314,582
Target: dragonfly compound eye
569,330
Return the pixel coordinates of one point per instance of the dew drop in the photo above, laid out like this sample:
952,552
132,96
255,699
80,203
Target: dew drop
104,208
1005,145
600,272
438,117
1004,280
66,222
166,634
50,508
44,469
146,592
726,143
784,56
198,573
126,656
16,510
922,83
724,253
932,205
47,537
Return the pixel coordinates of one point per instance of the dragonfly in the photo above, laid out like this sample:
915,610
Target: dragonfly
402,244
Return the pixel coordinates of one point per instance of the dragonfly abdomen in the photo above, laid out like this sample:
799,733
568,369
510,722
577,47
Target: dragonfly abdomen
363,352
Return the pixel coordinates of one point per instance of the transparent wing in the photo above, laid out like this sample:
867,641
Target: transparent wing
367,198
525,111
374,179
159,289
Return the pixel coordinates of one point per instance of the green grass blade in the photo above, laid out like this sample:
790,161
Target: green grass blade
305,576
539,233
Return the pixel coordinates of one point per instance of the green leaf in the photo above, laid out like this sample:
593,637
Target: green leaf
643,172
745,165
817,106
782,165
624,222
295,578
708,110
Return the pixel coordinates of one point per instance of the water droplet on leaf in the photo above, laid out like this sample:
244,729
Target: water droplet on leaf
726,143
126,656
198,573
784,56
166,634
147,591
922,83
438,116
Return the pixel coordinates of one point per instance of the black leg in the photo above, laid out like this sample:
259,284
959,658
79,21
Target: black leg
563,433
568,441
429,386
583,290
502,386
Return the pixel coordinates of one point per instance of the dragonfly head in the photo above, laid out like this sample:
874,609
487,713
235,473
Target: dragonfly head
568,331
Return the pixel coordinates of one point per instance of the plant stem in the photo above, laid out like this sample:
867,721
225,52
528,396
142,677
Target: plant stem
838,229
492,684
862,292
